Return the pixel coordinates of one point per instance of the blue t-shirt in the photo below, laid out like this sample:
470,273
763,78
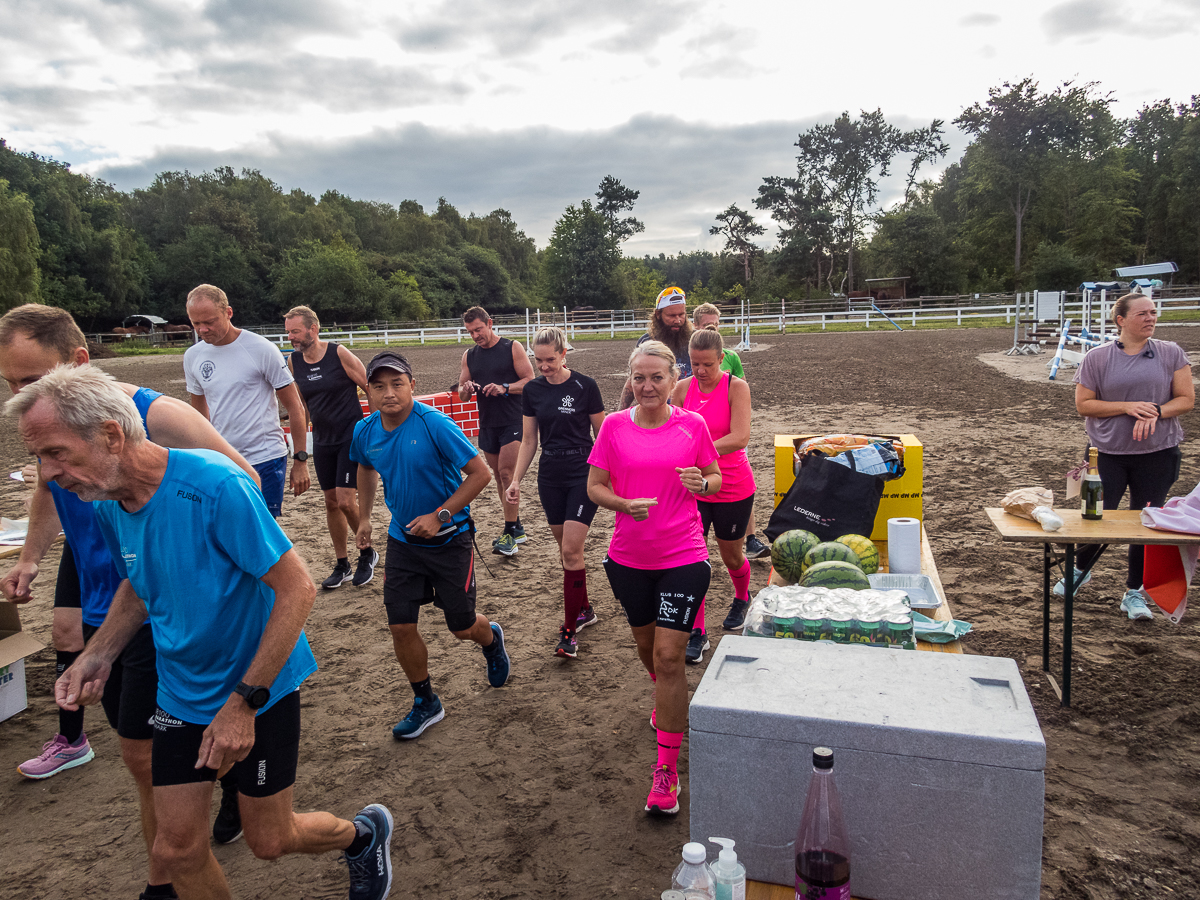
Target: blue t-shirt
98,578
195,554
421,465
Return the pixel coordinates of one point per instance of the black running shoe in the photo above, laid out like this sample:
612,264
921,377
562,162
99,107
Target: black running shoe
498,663
568,646
697,644
371,870
365,570
736,619
756,549
340,575
227,826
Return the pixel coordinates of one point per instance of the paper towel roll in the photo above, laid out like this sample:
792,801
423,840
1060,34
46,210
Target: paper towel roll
904,546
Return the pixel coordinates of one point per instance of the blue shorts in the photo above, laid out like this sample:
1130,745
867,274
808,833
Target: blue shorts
273,472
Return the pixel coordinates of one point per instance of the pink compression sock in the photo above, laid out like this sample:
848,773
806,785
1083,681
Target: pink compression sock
741,581
575,595
669,743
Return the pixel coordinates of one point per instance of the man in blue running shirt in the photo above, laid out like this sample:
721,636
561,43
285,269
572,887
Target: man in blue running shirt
231,649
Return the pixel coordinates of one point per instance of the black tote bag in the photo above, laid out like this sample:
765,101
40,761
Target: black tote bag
829,500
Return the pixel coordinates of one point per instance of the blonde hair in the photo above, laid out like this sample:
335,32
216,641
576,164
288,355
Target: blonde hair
658,349
704,309
704,339
552,336
83,398
305,314
209,292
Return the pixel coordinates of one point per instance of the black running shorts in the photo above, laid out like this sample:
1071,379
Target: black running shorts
492,439
729,520
444,576
566,502
269,768
67,593
669,598
131,692
333,466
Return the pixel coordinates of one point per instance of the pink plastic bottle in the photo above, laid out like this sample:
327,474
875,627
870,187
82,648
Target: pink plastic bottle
822,845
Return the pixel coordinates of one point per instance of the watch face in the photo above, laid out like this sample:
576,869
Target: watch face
258,697
444,515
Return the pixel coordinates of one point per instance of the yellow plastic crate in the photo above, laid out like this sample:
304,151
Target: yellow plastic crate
901,497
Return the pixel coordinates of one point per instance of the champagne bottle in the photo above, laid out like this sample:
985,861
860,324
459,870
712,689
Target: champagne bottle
822,844
1092,493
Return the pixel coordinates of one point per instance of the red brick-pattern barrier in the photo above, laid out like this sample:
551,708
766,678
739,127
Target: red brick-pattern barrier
465,415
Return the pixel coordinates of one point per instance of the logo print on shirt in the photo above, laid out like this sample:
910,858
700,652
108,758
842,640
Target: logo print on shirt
127,554
568,404
207,369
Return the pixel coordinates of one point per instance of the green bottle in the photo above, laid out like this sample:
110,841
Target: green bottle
1091,495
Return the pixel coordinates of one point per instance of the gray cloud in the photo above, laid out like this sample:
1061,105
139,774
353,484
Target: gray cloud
686,172
518,29
1085,18
979,19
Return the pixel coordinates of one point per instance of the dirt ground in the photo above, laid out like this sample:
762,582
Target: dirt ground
536,790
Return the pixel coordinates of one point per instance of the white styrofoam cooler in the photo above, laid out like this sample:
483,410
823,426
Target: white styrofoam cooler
938,757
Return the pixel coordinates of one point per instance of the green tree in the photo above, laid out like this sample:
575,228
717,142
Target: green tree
333,280
739,230
20,277
581,259
614,198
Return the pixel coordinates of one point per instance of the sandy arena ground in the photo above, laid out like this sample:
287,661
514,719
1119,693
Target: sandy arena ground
536,789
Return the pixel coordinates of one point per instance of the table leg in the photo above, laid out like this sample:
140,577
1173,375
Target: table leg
1047,563
1068,613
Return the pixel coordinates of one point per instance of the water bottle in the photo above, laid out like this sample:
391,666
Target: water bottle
822,844
692,877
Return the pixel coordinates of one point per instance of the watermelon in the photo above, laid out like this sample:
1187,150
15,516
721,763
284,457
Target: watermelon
868,553
836,574
787,552
828,552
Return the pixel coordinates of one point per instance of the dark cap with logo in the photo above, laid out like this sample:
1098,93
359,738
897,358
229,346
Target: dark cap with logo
388,359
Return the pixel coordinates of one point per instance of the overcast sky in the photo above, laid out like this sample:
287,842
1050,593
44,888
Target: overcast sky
527,105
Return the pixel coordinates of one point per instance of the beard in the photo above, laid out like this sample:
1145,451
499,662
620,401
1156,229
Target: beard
675,338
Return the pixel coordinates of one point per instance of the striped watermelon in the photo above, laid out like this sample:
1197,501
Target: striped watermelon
836,574
868,553
787,553
829,551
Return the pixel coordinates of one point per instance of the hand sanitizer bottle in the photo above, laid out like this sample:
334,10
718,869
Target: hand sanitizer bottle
729,875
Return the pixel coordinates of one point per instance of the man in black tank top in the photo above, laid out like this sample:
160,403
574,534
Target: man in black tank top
496,370
328,377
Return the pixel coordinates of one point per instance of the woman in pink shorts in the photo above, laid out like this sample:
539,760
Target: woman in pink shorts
649,464
723,401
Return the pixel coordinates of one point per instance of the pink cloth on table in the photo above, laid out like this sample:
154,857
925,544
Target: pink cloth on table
641,462
737,479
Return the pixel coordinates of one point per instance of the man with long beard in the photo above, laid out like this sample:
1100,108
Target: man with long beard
668,324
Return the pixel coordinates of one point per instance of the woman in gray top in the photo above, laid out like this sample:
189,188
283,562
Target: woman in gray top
1131,393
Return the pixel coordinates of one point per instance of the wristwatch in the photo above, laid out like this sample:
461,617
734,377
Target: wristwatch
256,695
444,515
704,490
506,389
300,456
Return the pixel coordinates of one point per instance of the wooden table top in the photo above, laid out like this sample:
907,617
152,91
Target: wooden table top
1119,526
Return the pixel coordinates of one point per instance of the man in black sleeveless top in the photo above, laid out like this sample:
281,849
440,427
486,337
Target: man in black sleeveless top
496,370
328,376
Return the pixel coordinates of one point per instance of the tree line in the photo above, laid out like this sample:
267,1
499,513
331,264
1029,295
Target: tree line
1052,190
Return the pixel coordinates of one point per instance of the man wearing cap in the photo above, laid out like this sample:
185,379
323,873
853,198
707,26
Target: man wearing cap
669,324
496,371
237,379
329,376
422,456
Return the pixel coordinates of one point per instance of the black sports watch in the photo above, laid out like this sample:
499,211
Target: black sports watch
444,515
506,389
256,695
300,456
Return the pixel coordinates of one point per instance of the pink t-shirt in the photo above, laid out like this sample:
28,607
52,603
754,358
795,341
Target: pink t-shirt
641,462
737,479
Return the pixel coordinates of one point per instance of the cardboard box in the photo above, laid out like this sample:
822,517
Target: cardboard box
15,645
939,761
902,497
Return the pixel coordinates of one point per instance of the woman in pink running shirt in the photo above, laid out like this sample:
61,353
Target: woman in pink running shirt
649,464
723,401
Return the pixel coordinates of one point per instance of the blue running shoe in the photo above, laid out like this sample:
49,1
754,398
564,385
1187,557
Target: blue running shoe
498,663
421,716
371,870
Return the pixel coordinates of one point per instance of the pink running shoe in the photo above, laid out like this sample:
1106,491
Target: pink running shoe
587,616
654,718
664,793
57,756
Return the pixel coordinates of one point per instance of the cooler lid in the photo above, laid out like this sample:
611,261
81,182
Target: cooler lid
945,706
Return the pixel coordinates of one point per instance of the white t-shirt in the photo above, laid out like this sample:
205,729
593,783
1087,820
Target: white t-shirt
239,381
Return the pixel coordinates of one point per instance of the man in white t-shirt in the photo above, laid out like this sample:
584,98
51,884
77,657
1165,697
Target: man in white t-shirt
234,378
